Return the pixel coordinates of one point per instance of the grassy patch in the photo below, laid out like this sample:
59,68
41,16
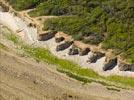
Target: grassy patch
75,76
45,55
12,38
127,81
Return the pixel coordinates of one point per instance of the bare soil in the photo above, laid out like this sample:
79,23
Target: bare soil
25,79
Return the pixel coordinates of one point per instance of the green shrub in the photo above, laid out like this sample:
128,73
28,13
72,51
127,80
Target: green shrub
24,4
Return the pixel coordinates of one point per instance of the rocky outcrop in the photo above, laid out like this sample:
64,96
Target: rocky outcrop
59,39
95,57
84,51
110,63
73,51
64,45
126,67
47,35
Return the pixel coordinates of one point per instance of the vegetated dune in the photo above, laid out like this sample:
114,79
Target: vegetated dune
24,78
30,35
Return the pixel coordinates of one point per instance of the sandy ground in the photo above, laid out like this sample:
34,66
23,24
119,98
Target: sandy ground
21,80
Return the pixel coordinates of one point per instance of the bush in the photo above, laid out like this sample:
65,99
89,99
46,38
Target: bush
24,4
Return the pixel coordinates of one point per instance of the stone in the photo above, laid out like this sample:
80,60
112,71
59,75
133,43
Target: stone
73,51
95,57
92,58
110,63
84,51
47,36
126,67
63,45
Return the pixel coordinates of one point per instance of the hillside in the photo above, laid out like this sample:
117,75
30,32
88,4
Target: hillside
96,21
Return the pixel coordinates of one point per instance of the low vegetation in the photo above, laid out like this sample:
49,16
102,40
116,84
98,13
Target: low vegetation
77,27
24,4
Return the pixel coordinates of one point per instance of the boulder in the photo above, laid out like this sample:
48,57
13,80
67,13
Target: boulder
110,63
64,45
47,36
73,51
126,67
84,51
95,57
59,39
